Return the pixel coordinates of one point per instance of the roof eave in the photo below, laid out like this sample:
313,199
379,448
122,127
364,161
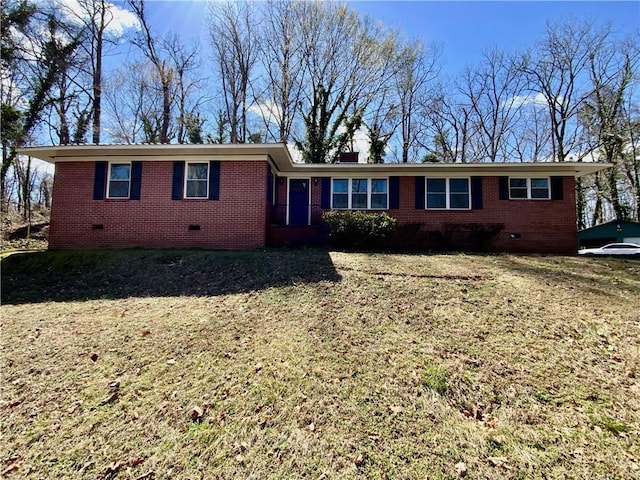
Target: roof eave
576,169
281,159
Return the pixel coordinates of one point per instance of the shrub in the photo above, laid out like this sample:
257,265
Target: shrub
355,229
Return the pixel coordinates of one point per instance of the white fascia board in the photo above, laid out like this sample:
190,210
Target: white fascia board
281,161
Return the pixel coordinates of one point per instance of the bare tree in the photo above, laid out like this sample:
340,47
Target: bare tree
493,90
185,62
631,153
96,17
33,61
558,70
146,41
234,37
347,62
417,68
131,97
612,70
281,57
450,127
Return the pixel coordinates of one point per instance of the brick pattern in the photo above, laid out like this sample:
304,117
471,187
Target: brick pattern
544,226
241,218
235,221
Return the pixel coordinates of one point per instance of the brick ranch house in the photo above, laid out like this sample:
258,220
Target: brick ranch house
254,195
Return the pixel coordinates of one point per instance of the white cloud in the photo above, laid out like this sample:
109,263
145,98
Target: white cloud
121,19
537,100
267,111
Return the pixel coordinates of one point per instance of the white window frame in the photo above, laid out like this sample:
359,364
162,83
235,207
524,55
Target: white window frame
528,179
186,180
447,193
350,193
109,181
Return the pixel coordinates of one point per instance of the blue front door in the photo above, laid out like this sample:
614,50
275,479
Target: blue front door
299,201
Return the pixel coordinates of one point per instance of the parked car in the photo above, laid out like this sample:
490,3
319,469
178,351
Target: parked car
613,249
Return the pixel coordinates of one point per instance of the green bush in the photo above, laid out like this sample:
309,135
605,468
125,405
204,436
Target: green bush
355,229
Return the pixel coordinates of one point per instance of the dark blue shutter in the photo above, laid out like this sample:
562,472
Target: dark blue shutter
178,181
557,193
394,193
269,186
214,180
420,193
325,194
476,193
503,188
99,180
136,180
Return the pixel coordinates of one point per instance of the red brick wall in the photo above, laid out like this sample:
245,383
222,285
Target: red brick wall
544,226
236,220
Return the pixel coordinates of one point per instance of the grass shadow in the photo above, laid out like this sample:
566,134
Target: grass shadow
21,232
591,275
111,274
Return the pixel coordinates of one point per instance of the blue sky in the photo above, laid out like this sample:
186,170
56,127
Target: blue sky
464,29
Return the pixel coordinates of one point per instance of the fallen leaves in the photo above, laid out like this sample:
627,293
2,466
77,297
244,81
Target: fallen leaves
499,462
461,469
11,468
114,389
112,470
272,371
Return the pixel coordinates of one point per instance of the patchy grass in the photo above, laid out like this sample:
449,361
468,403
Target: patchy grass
307,364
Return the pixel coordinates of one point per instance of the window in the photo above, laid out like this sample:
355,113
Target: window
529,188
197,180
360,193
448,193
119,180
379,193
340,193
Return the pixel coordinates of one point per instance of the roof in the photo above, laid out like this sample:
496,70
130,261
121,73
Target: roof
278,154
610,229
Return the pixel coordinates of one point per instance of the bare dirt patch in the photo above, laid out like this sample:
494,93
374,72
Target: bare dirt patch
299,364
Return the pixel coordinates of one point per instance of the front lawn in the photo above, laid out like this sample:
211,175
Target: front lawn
139,364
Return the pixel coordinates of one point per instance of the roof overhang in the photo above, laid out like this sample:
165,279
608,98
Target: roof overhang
568,169
277,152
278,155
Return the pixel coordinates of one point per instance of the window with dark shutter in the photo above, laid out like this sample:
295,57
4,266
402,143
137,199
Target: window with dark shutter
420,193
325,194
214,180
503,188
178,180
557,192
99,180
136,180
394,193
476,193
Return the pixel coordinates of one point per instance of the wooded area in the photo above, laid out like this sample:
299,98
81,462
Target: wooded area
318,76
